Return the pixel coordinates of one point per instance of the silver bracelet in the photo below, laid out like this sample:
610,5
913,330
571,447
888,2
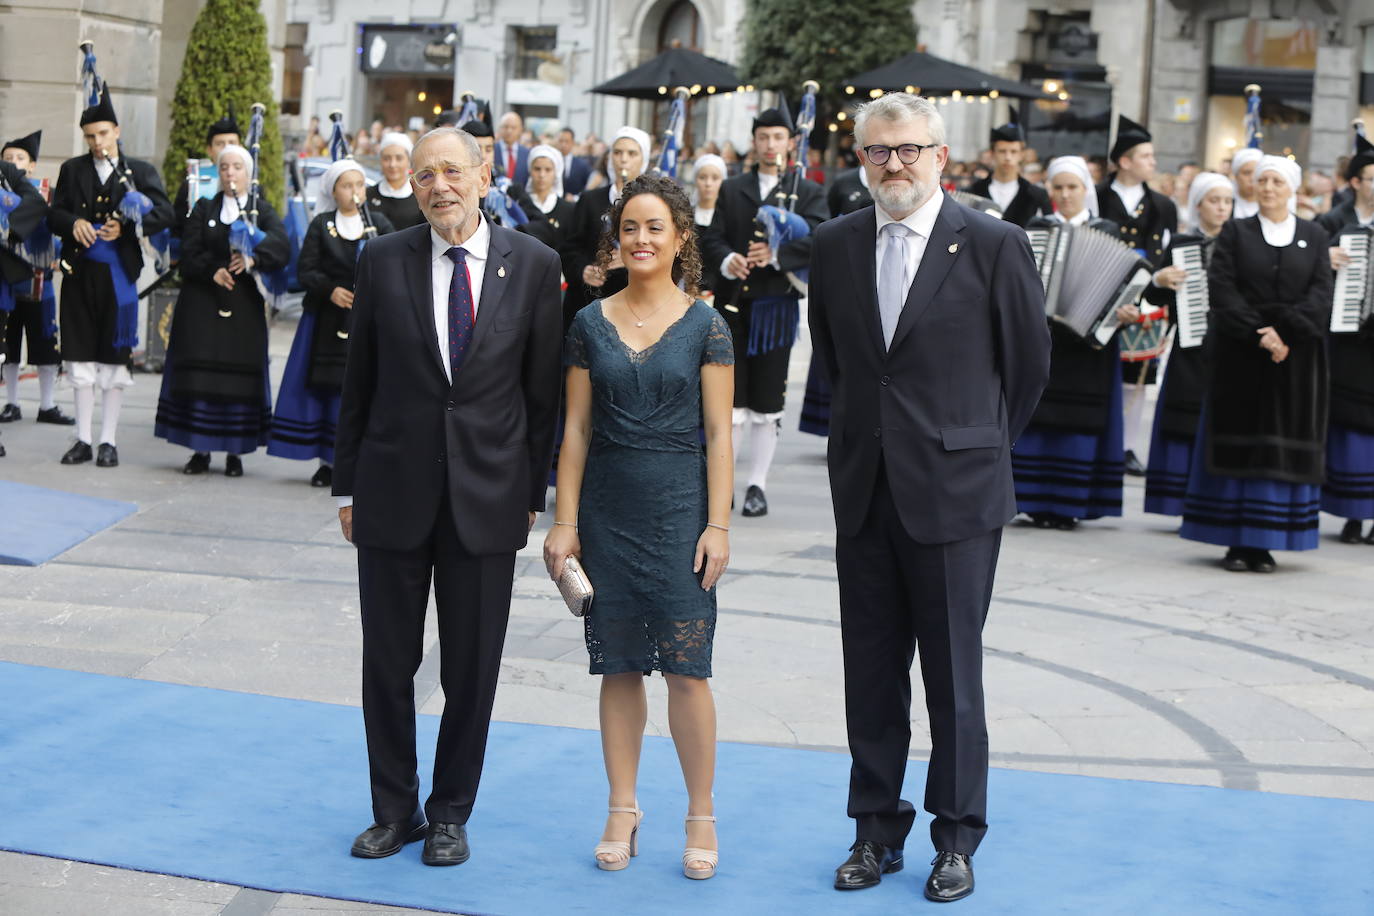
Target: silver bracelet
714,525
572,525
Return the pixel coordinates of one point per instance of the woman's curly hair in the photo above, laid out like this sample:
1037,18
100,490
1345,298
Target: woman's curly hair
687,265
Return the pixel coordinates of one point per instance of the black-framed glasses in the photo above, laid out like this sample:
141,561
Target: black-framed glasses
908,153
424,178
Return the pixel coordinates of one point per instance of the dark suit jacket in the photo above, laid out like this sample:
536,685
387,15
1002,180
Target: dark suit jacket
941,408
410,443
847,194
77,196
24,219
576,171
1028,203
1145,228
732,229
522,162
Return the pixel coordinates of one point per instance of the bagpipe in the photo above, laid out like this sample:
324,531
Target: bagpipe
338,149
39,249
776,226
498,204
244,233
672,144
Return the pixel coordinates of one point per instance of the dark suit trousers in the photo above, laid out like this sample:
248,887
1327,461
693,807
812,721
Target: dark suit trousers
896,596
472,596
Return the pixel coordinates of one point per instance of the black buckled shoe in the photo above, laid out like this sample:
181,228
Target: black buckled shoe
55,416
868,861
1236,560
324,477
1350,533
233,466
382,840
106,456
446,844
755,503
11,413
198,463
1261,561
951,878
79,453
1133,466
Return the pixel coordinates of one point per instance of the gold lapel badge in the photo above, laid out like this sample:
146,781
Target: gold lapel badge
953,248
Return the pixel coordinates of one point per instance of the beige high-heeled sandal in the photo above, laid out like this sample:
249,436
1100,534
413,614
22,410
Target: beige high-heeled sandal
618,848
694,854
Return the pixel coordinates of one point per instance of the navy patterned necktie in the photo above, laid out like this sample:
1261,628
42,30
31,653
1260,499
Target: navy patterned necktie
460,313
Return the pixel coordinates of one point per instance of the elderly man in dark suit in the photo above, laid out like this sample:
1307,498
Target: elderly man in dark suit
930,321
444,442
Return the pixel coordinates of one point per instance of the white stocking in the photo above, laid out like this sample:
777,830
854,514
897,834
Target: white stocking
47,381
109,414
85,409
12,383
763,444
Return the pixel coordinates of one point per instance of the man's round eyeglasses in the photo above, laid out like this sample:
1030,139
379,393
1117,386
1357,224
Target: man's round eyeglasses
424,178
908,153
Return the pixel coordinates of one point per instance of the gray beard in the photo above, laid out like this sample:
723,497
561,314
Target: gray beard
897,201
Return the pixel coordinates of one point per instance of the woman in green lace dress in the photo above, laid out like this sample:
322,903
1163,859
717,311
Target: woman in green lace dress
641,506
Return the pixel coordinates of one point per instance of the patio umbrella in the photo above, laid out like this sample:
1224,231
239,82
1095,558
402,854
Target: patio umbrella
655,78
933,76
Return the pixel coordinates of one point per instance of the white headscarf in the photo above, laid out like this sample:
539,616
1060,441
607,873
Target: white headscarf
1203,184
233,149
1078,167
547,152
1243,157
707,161
1288,170
324,198
638,136
229,208
395,139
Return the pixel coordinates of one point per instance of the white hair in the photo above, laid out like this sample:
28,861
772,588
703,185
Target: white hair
901,106
468,140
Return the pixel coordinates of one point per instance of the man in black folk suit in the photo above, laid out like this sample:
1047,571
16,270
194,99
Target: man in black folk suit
930,320
104,252
1018,199
759,303
444,443
848,192
1148,220
218,135
26,265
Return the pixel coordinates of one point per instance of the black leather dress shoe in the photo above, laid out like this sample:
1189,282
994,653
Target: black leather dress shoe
79,453
446,844
2,451
324,477
1261,561
11,413
106,456
951,878
382,840
198,463
755,503
1350,533
233,466
55,416
868,861
1235,560
1133,466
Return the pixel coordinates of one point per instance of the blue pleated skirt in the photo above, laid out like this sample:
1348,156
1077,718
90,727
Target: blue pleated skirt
1349,489
305,419
1244,512
213,426
1073,474
1166,476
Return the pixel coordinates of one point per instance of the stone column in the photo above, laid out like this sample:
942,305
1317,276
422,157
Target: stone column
1335,101
1178,89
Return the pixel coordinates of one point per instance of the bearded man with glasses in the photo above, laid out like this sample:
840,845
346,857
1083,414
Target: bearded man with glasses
929,318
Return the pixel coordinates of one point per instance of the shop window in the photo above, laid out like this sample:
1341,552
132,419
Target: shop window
533,46
1287,44
294,64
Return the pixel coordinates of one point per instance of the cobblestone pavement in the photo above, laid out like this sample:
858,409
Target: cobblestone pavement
1115,650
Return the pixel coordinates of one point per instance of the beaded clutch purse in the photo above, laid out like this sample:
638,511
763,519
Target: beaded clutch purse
575,587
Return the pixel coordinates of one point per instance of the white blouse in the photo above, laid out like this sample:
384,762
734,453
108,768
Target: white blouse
1279,235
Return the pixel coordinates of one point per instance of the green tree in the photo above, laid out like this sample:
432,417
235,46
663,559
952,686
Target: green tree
787,43
227,62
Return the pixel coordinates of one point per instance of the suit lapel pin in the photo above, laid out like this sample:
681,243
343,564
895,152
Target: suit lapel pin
500,271
953,248
211,224
1302,243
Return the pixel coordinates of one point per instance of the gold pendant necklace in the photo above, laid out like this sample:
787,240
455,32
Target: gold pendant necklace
639,322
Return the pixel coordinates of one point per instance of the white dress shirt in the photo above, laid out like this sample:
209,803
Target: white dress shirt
441,276
349,227
1130,195
1003,192
1279,235
103,168
921,223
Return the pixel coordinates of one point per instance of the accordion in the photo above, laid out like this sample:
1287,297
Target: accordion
981,204
1351,299
1191,302
1087,274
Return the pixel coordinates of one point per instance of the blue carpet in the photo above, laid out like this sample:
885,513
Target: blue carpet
42,523
268,793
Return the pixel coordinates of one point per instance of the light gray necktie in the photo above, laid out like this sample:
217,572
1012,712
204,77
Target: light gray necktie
892,281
